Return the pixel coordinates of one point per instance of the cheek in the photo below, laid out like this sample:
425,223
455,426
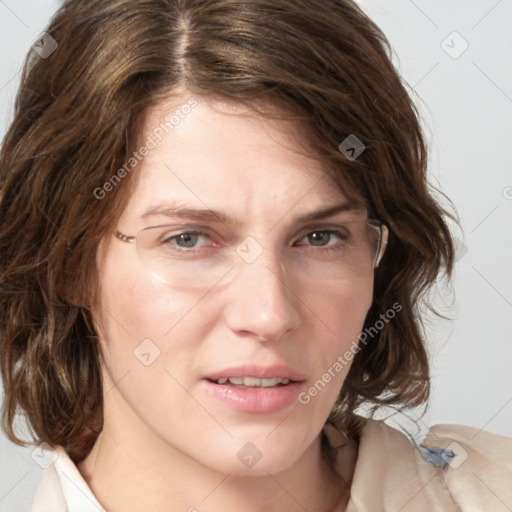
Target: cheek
147,344
140,304
137,315
338,318
342,311
149,331
343,308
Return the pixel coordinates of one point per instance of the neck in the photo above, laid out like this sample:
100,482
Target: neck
133,469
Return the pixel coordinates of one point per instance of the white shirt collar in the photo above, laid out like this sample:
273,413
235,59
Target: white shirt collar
63,489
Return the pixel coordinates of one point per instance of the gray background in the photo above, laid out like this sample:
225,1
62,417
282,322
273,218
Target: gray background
466,102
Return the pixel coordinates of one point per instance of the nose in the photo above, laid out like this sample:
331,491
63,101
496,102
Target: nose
261,300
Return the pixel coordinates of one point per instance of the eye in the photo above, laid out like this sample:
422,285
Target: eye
185,240
322,237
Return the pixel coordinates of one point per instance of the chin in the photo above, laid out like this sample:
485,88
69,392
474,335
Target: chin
257,455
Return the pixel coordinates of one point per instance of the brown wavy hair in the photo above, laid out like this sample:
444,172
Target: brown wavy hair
322,63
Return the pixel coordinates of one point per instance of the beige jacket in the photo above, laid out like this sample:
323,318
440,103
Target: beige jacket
457,468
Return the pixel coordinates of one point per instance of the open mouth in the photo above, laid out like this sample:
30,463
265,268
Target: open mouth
252,382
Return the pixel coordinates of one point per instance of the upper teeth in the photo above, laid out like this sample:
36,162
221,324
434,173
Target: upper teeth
251,381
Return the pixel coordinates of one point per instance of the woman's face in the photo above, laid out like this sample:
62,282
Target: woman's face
175,316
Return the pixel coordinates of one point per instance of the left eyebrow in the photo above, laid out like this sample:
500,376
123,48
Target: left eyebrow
329,211
175,210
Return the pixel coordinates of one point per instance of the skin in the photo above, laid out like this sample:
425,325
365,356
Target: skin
166,443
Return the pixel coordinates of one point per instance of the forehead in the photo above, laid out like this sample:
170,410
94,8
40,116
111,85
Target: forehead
220,155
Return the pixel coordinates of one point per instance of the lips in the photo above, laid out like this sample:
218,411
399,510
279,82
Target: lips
254,399
276,371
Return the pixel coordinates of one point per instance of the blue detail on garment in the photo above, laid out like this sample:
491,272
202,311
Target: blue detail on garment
437,456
